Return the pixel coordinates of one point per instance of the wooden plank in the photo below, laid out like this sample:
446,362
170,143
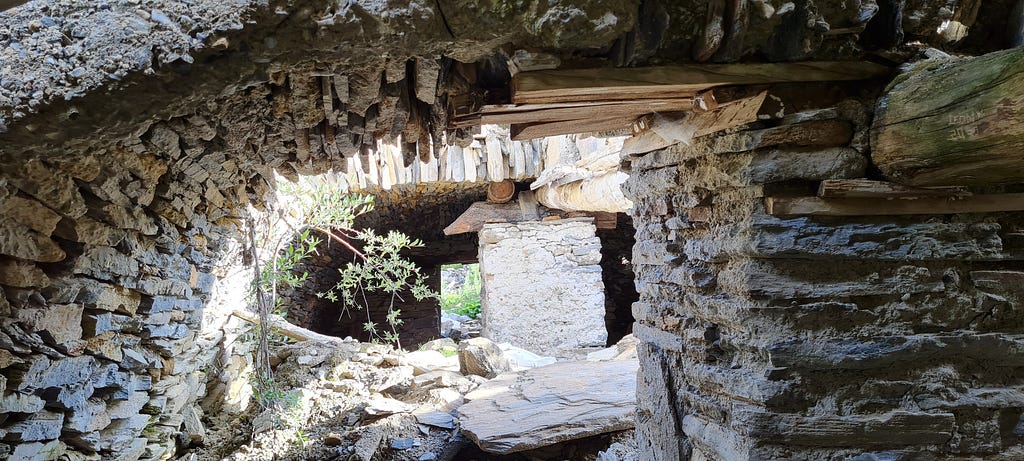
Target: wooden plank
535,113
816,206
866,188
540,130
722,117
547,86
524,209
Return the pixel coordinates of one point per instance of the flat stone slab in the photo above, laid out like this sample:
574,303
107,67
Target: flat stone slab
546,405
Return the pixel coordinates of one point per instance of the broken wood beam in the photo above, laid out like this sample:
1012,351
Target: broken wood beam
954,123
646,137
589,85
866,188
817,206
285,328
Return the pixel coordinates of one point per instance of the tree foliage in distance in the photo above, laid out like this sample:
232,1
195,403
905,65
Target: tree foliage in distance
466,299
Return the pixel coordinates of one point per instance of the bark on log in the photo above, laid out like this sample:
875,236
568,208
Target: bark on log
282,326
956,123
600,193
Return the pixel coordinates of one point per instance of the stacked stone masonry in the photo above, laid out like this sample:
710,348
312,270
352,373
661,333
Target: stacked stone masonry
542,287
806,338
108,262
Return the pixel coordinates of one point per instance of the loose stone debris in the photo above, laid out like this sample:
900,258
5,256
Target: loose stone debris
350,400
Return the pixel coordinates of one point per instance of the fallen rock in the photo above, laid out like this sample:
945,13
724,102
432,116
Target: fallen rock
435,418
481,357
383,406
521,358
425,361
624,349
551,404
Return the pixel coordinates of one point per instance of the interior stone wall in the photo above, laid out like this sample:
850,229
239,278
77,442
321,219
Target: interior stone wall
541,285
108,262
814,338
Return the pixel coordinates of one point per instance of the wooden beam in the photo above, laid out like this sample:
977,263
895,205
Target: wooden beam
501,192
816,206
536,113
954,123
588,85
522,132
866,188
523,210
723,117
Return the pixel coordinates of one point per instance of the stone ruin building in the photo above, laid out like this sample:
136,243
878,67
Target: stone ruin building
820,203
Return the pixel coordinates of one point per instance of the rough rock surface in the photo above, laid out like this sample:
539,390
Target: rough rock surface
482,357
550,404
764,337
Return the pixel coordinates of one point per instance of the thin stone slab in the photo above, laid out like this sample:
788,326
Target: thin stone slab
550,404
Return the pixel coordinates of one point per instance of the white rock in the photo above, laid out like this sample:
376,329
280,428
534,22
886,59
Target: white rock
522,359
425,361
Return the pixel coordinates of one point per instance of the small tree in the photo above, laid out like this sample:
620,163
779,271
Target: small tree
320,207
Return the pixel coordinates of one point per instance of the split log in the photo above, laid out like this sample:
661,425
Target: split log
285,328
539,113
723,117
960,122
522,132
548,86
816,206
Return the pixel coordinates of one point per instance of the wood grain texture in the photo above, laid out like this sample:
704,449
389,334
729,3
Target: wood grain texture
623,83
958,122
816,206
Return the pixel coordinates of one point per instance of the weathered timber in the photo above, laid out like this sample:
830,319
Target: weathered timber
537,113
866,188
282,326
549,86
525,209
521,132
501,192
816,206
723,117
598,193
959,122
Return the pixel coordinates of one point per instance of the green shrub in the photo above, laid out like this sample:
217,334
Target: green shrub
466,301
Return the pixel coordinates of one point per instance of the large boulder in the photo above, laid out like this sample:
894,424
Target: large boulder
551,404
481,357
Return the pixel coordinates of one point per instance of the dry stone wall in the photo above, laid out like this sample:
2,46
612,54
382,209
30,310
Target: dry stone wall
542,287
808,338
107,265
